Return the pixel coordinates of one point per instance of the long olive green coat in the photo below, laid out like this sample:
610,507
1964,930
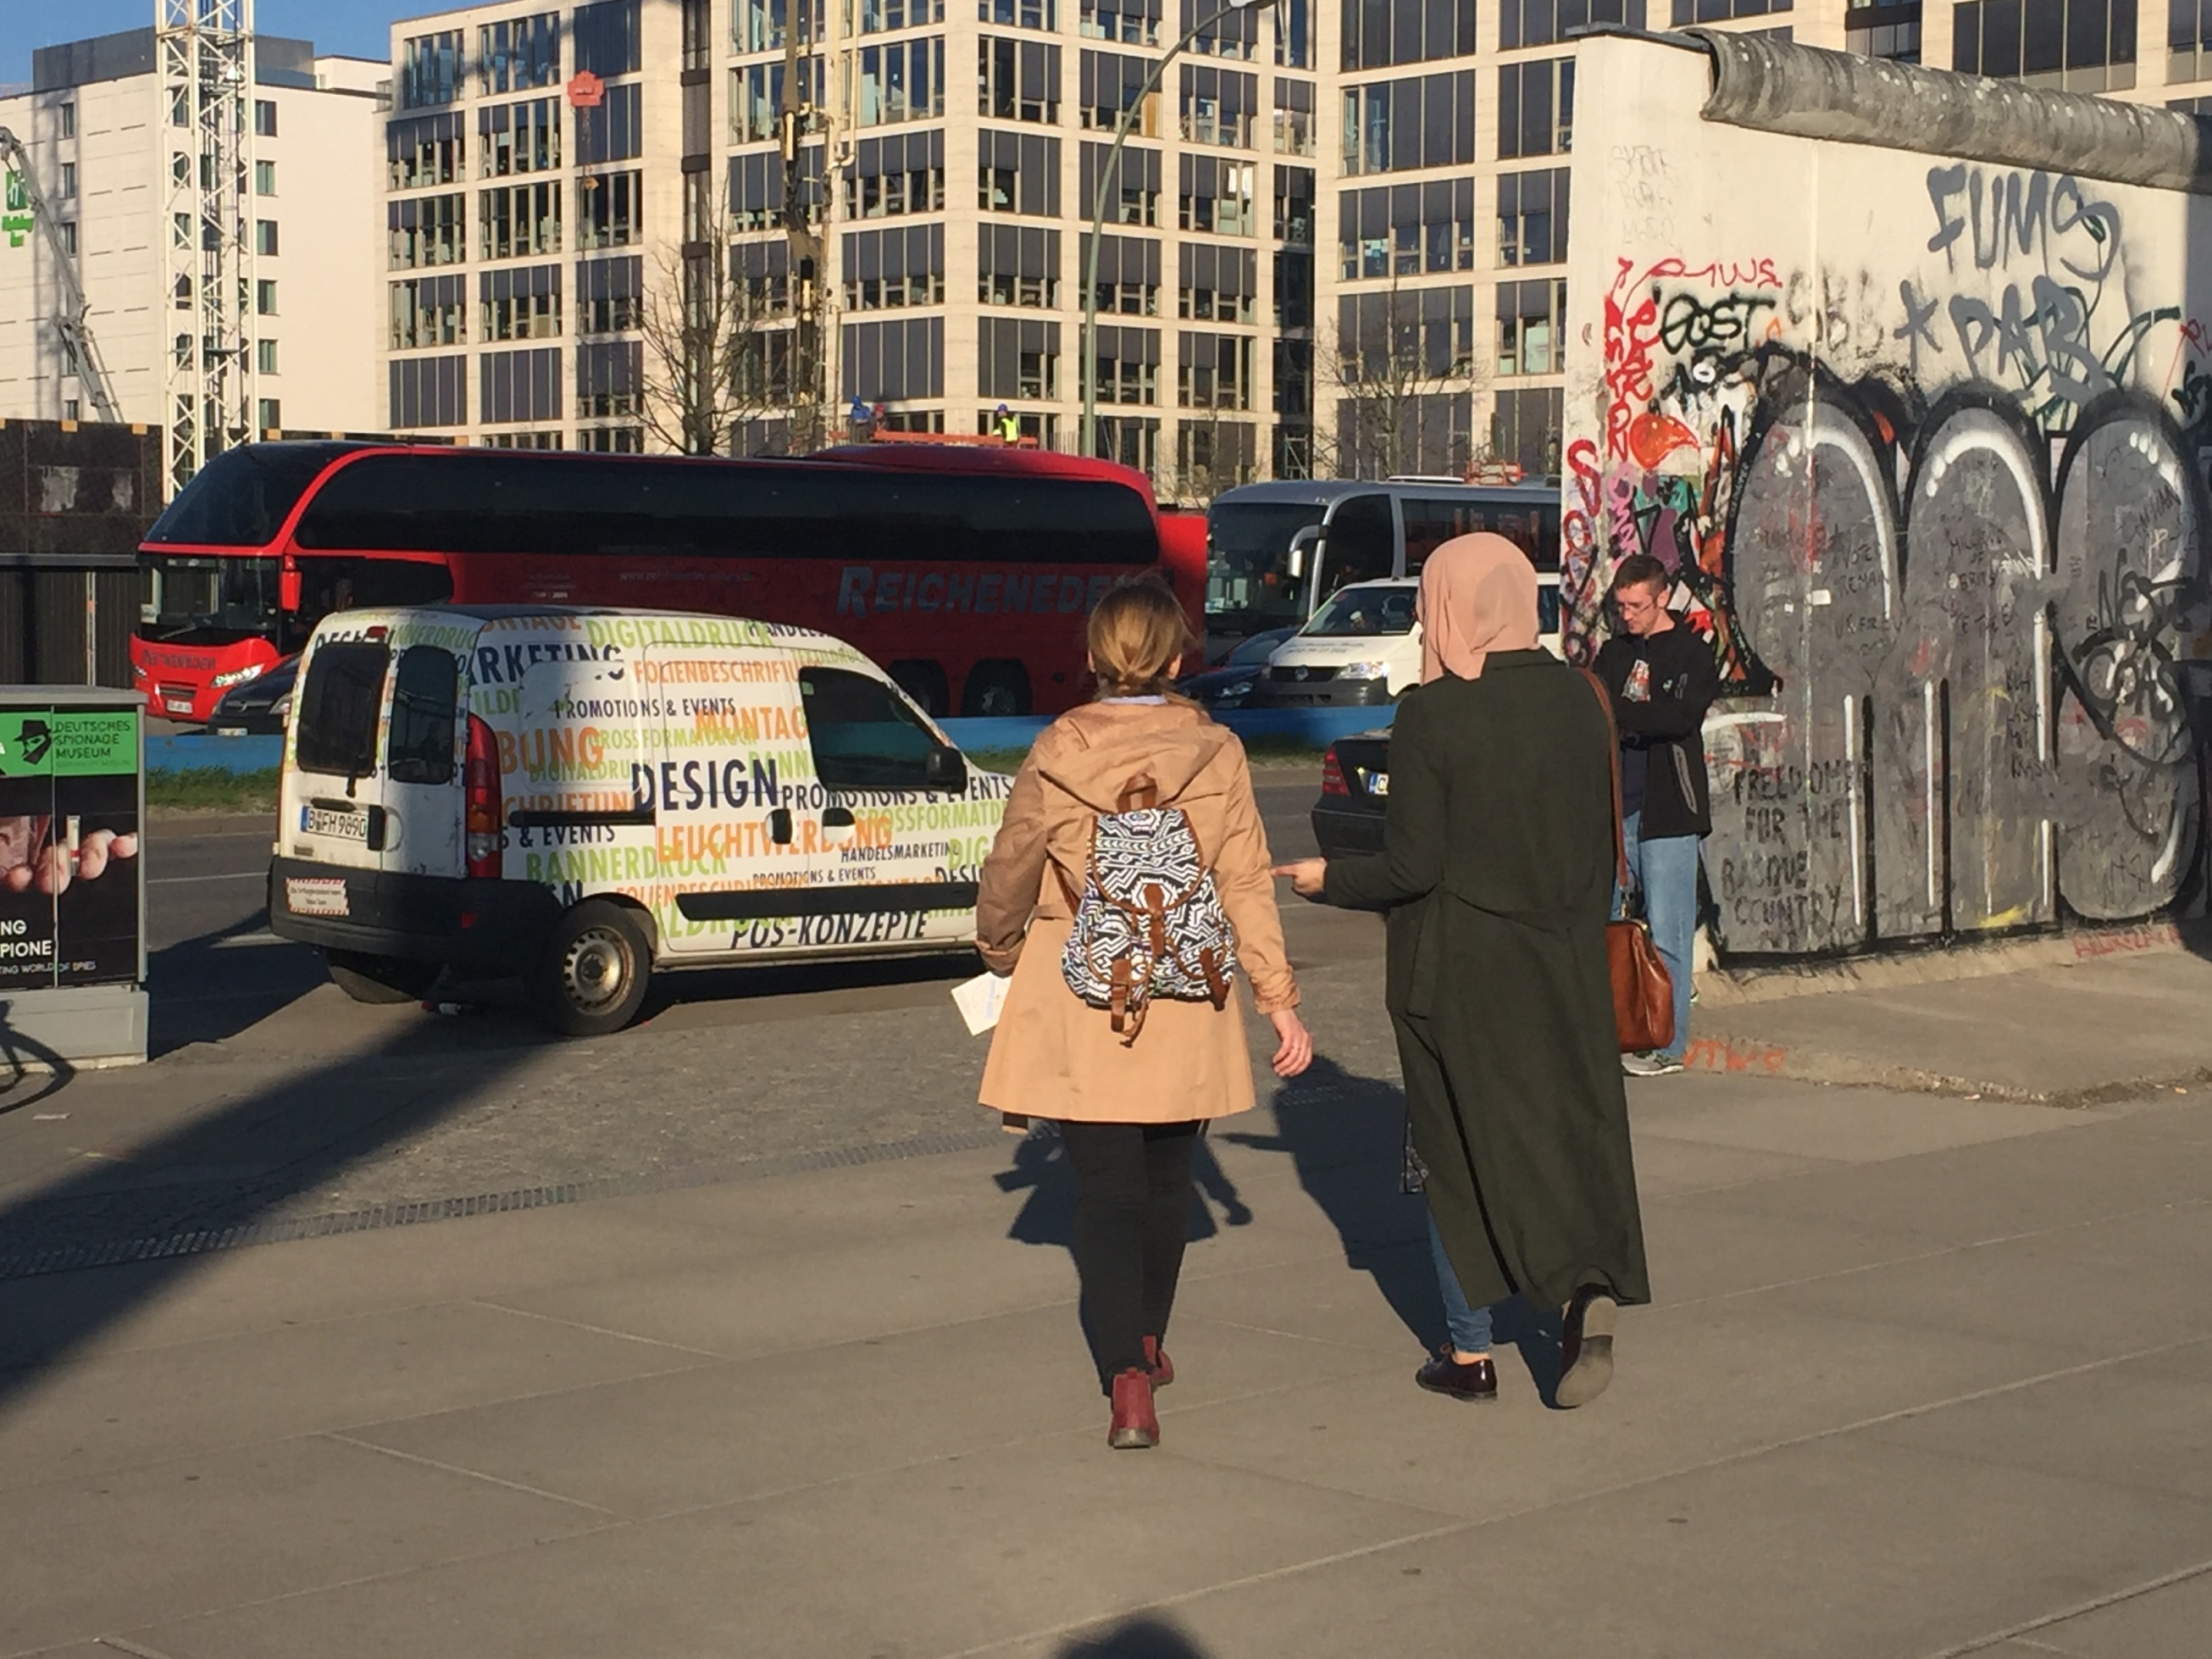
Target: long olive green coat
1497,871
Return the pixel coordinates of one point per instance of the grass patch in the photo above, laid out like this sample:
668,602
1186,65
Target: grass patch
211,789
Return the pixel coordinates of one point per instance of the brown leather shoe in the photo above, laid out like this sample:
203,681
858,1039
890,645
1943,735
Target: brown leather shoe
1157,1362
1446,1375
1586,1348
1134,1425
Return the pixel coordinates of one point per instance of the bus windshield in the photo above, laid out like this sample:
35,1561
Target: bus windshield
1248,586
211,601
242,497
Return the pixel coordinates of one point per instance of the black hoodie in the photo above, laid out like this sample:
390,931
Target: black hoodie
1661,733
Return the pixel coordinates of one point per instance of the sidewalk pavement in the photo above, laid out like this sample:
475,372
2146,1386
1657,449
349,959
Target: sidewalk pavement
1926,1376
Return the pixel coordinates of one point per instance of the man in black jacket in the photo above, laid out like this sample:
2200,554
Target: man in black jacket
1663,678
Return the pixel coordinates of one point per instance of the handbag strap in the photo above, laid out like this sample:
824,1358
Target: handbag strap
1611,748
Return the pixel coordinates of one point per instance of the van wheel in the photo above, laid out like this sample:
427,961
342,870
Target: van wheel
995,691
380,979
591,979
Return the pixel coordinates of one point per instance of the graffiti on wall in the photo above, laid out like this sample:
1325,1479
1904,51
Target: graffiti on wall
1944,530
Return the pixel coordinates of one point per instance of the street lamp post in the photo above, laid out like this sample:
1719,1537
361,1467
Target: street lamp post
1110,170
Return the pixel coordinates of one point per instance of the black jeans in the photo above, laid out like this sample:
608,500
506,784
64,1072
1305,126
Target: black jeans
1131,1207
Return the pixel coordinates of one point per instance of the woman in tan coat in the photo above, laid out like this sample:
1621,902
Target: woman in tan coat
1130,1108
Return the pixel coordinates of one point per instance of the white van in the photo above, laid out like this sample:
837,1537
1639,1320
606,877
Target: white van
582,797
1363,646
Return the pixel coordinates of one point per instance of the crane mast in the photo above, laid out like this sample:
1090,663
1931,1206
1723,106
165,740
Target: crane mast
71,321
205,49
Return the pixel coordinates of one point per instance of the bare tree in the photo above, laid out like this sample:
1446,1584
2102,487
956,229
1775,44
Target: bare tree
702,319
734,333
1403,384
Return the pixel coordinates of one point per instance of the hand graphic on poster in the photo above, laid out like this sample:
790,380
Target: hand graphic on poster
29,856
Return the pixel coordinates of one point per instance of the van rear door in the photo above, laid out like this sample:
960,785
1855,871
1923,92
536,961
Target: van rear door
374,780
334,810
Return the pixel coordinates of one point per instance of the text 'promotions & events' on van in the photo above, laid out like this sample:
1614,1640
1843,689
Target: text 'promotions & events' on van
585,797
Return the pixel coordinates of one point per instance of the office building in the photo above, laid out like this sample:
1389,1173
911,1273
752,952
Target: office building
113,150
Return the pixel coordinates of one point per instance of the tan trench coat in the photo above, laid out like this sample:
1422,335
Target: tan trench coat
1053,1056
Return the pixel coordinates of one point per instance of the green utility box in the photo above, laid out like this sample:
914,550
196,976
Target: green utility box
72,879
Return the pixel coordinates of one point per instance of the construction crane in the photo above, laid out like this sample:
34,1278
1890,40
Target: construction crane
82,352
205,49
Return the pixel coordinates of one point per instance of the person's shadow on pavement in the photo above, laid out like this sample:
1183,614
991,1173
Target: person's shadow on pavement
1141,1638
1346,1138
1048,1215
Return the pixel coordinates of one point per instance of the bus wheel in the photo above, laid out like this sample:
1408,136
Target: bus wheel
996,690
924,682
590,978
380,979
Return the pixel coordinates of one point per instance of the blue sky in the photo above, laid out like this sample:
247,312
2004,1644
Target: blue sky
360,29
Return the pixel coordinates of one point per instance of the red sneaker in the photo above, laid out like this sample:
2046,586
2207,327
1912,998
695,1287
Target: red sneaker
1134,1424
1157,1362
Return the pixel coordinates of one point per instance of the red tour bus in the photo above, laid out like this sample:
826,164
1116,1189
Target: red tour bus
966,572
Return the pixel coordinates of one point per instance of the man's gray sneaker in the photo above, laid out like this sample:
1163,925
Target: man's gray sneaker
1649,1065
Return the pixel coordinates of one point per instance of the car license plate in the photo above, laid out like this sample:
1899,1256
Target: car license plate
316,896
178,706
338,825
1378,783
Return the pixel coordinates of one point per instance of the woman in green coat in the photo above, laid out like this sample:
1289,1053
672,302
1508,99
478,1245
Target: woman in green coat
1497,871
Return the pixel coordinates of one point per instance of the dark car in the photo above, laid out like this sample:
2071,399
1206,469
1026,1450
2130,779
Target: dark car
1355,787
1230,681
258,705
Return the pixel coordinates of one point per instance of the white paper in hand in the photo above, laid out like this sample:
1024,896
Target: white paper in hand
979,1001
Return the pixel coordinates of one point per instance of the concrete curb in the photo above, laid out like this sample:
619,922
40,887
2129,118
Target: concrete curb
1727,1053
1728,1041
1727,987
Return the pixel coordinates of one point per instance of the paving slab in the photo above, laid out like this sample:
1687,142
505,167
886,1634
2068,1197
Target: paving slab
652,1446
103,1554
931,1559
2094,1169
2164,1618
2138,1421
233,1292
115,1412
1831,1550
1683,1397
2085,1292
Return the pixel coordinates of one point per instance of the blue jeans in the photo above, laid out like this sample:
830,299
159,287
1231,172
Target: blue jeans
1469,1326
1665,872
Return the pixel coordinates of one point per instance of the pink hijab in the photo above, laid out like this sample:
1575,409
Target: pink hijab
1478,595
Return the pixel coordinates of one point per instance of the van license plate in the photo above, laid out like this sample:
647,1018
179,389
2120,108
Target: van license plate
316,896
178,706
340,826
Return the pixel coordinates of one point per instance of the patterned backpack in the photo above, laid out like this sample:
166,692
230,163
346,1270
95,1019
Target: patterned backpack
1149,922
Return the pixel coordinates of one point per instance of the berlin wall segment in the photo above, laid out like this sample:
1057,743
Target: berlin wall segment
1925,437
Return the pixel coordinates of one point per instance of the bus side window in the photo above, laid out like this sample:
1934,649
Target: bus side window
425,701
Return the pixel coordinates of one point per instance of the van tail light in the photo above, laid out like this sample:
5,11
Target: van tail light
481,818
1332,774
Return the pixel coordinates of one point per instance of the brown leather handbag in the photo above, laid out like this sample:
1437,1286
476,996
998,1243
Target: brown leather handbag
1642,989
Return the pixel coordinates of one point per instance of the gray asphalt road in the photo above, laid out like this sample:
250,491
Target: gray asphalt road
272,1097
216,970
